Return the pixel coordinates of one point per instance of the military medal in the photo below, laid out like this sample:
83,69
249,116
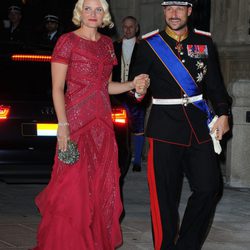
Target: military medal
197,51
179,47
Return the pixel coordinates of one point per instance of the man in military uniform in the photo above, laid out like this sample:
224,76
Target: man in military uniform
52,31
16,32
184,74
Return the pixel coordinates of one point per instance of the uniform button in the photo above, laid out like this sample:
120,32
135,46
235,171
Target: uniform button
181,53
183,61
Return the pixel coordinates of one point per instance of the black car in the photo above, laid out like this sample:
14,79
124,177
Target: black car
27,117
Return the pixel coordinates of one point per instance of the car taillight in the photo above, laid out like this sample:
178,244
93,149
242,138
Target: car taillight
119,116
4,112
30,57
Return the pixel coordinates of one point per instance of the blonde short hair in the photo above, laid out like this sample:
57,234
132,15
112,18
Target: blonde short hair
78,10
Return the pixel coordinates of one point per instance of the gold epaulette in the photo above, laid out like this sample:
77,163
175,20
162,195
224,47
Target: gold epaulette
201,32
152,33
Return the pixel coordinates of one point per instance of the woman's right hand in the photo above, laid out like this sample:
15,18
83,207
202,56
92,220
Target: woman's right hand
63,137
141,83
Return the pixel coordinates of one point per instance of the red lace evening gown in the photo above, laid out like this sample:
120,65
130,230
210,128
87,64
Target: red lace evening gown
81,205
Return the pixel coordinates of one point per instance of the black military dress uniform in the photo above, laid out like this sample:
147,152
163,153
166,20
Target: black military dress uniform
180,142
17,34
49,37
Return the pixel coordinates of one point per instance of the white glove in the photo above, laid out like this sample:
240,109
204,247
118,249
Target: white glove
217,146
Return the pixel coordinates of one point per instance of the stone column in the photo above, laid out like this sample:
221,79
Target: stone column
238,150
120,9
230,31
230,21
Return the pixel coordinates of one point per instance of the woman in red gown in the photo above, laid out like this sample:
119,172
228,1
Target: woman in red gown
81,205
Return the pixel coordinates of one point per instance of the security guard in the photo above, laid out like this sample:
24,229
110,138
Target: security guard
16,32
183,130
52,30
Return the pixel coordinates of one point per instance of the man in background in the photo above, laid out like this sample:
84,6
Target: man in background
125,50
51,30
13,28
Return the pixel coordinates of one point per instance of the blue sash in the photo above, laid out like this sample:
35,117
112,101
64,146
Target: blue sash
178,72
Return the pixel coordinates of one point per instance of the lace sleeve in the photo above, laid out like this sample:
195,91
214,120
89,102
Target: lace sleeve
62,50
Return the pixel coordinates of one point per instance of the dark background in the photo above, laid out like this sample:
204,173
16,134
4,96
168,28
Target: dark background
35,10
201,14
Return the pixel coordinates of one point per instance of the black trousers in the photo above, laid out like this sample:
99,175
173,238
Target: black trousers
167,165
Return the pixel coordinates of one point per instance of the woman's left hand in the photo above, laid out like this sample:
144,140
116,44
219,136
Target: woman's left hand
63,137
141,83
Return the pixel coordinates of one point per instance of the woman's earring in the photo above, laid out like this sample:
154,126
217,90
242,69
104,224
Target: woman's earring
111,25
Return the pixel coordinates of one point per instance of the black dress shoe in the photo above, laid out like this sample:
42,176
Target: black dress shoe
136,168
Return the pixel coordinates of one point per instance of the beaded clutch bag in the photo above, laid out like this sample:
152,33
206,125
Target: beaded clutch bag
71,155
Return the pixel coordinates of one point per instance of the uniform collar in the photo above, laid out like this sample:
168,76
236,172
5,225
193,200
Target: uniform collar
51,35
176,37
